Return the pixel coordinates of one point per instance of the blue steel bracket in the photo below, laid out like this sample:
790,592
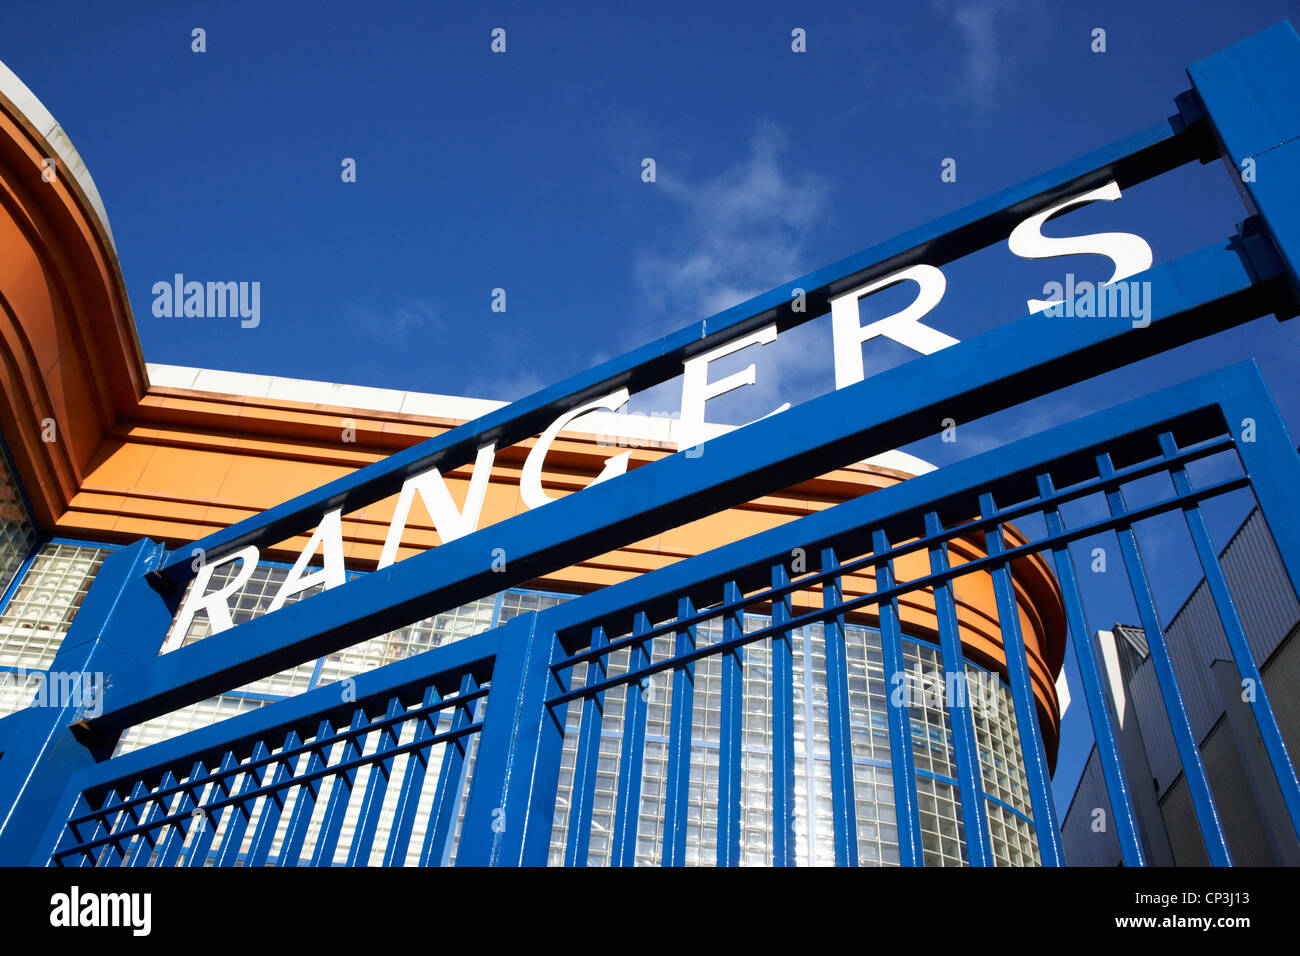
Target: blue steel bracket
1250,93
512,797
42,746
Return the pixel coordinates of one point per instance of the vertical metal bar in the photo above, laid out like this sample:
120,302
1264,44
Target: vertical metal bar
961,716
1037,777
109,853
1268,455
336,807
210,820
158,808
843,804
1198,785
372,803
1269,732
731,735
906,811
120,847
446,795
304,804
141,811
783,838
268,821
71,836
583,792
512,802
242,812
677,801
171,846
1112,768
408,798
632,761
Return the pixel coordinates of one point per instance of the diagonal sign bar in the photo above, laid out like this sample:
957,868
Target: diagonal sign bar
1218,287
1148,153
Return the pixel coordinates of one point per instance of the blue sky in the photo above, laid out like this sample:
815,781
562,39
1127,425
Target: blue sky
523,171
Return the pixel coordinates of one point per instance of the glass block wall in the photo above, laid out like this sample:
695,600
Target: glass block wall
251,601
17,529
39,613
943,838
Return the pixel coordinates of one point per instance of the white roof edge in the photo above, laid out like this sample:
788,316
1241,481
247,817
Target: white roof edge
35,112
612,428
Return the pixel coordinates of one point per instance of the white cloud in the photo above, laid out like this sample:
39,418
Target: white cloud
984,53
739,233
396,318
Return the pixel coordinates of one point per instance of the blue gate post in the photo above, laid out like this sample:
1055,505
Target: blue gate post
512,794
1249,94
121,623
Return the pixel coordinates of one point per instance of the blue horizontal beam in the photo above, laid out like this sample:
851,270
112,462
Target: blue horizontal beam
406,679
1147,153
702,576
1193,296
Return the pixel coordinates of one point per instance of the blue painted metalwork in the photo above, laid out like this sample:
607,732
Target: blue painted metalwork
1022,692
677,785
730,754
783,775
843,809
628,813
900,718
219,794
965,755
1117,786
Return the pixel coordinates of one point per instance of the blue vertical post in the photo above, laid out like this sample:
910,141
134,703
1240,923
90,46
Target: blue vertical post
583,793
1039,780
436,848
1112,770
631,766
677,801
783,837
843,803
1260,706
512,800
732,716
960,712
1198,784
906,811
122,622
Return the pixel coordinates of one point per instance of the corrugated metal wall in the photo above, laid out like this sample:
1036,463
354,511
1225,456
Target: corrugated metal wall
1270,613
1083,845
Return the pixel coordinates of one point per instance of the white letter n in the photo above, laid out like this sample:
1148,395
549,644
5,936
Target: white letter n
450,522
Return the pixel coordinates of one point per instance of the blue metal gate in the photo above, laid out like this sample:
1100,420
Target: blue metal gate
486,751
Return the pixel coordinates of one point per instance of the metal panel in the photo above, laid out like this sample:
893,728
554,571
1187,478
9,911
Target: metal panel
1088,839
